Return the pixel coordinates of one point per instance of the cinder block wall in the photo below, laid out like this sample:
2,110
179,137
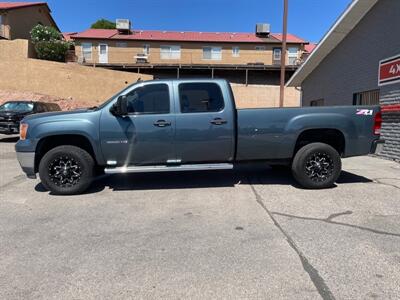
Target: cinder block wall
391,124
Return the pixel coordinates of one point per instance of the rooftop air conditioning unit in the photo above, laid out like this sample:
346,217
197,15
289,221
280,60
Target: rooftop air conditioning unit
123,24
263,29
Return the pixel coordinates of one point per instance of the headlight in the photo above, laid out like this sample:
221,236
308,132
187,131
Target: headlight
23,130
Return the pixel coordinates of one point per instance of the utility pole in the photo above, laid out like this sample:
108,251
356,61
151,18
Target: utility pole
283,53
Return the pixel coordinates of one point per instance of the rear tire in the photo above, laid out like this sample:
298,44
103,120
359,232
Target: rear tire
66,170
316,166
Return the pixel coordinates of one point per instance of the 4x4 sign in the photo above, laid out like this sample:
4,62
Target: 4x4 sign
389,70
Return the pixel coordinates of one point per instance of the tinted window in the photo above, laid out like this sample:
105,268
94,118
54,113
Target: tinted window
52,107
149,99
200,97
40,107
319,102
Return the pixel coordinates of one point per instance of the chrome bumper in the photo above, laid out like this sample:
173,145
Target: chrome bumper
27,163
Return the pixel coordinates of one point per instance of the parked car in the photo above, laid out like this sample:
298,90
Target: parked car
12,112
191,125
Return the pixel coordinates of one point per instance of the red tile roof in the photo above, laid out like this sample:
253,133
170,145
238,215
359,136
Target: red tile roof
310,47
186,36
13,5
67,35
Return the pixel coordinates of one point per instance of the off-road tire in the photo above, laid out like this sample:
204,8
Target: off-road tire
77,160
316,166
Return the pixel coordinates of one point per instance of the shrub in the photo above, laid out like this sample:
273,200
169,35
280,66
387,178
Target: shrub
49,44
41,33
52,50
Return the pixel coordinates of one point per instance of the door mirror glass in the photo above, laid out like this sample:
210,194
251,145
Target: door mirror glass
120,107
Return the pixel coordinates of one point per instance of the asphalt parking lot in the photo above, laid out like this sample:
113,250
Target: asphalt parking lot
249,233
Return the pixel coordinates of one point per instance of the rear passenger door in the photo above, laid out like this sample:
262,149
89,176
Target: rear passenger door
204,122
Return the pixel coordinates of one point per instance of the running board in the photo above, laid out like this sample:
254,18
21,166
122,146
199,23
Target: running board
168,168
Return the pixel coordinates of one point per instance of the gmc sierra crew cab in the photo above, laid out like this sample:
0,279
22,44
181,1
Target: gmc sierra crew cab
191,125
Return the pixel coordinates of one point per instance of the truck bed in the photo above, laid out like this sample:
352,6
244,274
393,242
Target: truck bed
272,133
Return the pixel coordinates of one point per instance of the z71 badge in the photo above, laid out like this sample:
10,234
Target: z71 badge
365,112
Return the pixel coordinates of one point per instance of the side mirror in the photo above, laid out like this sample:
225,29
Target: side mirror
120,108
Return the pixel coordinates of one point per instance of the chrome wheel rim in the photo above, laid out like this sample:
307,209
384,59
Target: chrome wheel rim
319,167
65,171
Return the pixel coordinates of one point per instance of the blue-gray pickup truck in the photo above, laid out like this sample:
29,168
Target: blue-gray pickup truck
191,125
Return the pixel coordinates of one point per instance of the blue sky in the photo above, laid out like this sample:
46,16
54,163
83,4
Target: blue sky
309,19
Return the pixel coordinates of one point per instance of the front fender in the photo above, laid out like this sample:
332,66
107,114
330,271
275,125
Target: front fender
82,127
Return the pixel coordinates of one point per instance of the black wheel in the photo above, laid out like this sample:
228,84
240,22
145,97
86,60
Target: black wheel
66,170
316,166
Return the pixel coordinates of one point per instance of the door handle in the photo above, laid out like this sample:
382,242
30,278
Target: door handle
218,121
162,123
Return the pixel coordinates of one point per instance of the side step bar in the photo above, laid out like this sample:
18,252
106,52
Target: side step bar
168,168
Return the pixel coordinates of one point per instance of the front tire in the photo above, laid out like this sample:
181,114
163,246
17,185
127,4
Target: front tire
316,166
66,170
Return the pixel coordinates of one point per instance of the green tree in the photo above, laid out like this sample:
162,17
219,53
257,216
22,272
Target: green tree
103,24
49,44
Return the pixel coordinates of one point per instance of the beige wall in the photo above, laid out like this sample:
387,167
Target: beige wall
58,79
16,49
17,23
191,53
256,96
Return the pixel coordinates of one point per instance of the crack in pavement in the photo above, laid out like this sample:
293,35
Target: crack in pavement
16,180
312,272
330,220
379,181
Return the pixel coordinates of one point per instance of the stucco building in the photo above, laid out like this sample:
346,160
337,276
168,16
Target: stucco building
18,18
358,63
239,57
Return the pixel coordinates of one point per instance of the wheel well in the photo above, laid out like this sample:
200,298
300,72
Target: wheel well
50,142
332,137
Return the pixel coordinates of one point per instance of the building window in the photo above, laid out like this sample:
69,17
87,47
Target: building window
149,99
213,53
146,49
293,55
170,52
87,51
366,98
260,48
200,97
277,53
319,102
122,44
235,51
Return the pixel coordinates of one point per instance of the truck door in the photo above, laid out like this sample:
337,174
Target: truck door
146,135
204,122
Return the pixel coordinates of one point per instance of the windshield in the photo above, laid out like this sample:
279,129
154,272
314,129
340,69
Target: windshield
17,106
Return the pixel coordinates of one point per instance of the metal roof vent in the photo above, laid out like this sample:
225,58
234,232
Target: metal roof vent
263,29
123,25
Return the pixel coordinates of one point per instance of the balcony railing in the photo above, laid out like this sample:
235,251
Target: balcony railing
127,56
